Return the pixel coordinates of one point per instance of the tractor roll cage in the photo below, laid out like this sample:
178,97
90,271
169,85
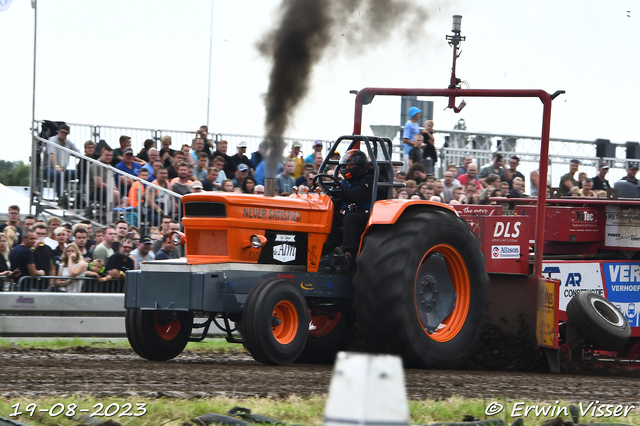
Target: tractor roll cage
381,168
366,95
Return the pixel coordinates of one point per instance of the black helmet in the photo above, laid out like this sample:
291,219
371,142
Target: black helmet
359,159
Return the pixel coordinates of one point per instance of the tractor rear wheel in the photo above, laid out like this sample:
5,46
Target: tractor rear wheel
328,335
274,322
598,321
158,335
421,289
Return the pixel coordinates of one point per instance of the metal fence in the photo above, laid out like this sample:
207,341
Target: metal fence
56,284
80,133
452,146
97,191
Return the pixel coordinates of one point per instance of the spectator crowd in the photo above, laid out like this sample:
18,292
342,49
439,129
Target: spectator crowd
63,257
74,252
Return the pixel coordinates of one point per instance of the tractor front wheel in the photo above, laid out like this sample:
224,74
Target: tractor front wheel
158,335
421,289
274,322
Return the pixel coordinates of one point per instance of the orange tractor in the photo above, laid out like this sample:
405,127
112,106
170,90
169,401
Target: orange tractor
420,287
428,275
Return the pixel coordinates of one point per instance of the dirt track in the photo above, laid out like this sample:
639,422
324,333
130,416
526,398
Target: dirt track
33,373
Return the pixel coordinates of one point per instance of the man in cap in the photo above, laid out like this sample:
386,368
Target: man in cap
56,166
297,157
411,128
599,181
317,147
628,186
127,165
143,252
241,175
197,186
567,181
241,158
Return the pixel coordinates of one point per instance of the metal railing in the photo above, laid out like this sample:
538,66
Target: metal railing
81,133
452,146
75,189
55,284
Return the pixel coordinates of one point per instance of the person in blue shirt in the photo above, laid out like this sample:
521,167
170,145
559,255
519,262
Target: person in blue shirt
317,147
259,177
411,128
127,165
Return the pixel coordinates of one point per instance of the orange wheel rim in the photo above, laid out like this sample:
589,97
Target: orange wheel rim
320,325
452,324
284,322
169,330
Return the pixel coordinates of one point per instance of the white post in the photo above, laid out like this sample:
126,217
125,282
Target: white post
367,389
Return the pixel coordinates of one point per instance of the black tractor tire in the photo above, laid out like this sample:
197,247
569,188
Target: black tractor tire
158,335
399,265
598,321
132,333
326,339
274,322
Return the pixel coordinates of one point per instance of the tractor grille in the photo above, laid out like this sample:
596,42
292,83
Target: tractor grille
207,242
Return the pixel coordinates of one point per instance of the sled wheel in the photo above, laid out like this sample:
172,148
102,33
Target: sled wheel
274,325
159,335
426,297
327,337
598,321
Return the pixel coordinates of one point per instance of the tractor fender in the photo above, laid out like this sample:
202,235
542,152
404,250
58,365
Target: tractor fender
387,212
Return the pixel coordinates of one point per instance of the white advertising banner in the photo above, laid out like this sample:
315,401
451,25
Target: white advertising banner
622,227
574,278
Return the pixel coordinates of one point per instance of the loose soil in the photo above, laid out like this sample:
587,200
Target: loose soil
34,373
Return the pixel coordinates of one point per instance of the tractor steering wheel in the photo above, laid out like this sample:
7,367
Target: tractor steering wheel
330,185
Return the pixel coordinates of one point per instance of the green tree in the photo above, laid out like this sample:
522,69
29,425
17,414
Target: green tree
14,173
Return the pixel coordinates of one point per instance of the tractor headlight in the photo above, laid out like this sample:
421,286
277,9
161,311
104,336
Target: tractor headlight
177,238
257,241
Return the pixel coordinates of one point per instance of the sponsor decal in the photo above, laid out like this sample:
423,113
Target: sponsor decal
505,252
574,278
284,253
621,227
306,286
505,230
622,281
270,214
286,276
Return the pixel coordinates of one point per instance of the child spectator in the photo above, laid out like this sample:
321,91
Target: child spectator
415,153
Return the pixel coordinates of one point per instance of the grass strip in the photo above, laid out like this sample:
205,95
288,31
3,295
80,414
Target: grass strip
293,410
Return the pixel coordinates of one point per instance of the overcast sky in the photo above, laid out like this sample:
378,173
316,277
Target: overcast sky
144,63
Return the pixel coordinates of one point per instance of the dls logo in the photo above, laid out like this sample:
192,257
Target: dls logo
503,230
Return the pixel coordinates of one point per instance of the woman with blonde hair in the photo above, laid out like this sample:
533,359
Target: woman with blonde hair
5,265
73,266
12,235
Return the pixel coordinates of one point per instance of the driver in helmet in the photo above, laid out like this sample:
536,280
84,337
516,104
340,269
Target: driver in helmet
352,210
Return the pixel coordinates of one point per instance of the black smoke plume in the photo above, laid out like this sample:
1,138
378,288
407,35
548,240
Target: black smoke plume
306,29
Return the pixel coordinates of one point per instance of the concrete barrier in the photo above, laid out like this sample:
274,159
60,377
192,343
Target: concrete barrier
45,314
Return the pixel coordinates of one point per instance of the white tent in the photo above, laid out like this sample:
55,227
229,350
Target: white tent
9,197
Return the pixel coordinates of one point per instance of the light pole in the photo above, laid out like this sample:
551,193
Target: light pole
210,50
34,128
